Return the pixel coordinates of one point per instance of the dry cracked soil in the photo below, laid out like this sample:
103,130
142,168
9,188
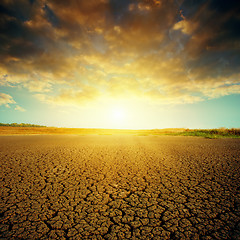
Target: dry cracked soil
119,187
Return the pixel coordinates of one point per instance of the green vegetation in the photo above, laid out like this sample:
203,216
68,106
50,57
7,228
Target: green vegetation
210,133
19,125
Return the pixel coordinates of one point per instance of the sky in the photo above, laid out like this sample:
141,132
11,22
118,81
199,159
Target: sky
134,64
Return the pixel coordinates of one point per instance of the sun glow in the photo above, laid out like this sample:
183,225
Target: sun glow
110,113
118,115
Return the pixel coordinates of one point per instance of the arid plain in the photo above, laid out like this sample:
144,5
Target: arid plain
119,187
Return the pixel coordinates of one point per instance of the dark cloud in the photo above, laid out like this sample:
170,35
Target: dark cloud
223,6
190,7
17,39
119,9
213,27
51,17
21,10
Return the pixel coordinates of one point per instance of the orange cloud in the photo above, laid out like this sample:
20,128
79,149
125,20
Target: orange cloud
73,52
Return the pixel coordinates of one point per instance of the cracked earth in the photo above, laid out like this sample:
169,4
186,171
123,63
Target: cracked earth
119,187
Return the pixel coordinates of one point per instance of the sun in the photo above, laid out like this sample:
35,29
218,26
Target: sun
118,114
115,114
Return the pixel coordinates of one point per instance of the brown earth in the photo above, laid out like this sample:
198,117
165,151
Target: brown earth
119,187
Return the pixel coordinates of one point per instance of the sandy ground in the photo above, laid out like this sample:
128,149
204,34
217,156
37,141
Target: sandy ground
119,187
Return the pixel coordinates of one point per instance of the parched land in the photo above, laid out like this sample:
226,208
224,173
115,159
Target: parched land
119,187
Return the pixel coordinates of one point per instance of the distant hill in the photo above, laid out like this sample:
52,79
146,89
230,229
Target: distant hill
19,125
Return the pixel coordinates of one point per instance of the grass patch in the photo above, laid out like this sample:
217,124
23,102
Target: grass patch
19,125
211,133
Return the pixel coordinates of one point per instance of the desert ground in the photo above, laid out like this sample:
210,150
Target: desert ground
119,187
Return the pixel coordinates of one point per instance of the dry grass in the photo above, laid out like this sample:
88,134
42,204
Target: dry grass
208,133
79,131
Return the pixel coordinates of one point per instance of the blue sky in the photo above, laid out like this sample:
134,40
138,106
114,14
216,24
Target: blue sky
120,64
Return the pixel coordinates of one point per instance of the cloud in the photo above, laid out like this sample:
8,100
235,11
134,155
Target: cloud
222,91
70,96
37,86
6,99
75,52
213,35
18,108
